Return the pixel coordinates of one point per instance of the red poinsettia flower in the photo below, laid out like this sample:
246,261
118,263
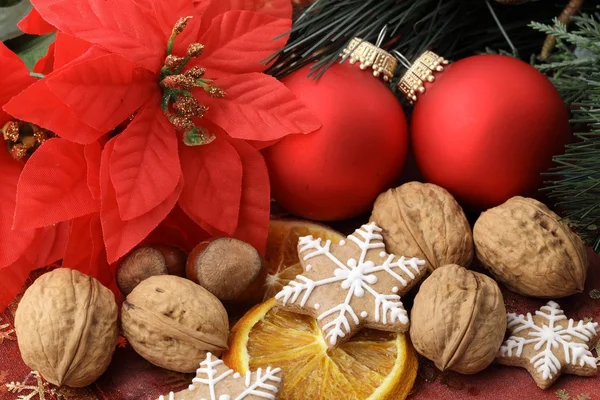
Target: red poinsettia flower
34,24
140,64
21,251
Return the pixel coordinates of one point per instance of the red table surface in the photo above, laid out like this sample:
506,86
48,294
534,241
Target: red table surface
131,377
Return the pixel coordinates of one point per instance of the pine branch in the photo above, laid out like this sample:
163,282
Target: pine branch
575,71
452,28
559,31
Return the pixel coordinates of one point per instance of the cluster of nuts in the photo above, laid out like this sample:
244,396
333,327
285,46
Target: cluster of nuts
458,319
66,323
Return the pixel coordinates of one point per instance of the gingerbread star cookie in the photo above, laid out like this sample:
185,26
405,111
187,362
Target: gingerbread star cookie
351,285
214,381
548,344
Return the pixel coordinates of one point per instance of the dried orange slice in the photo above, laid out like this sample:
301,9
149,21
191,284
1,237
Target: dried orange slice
372,365
281,257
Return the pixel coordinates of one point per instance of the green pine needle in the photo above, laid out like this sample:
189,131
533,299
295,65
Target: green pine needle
575,70
452,28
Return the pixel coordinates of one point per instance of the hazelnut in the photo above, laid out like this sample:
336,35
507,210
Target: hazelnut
66,326
458,319
529,249
424,221
173,323
144,262
230,269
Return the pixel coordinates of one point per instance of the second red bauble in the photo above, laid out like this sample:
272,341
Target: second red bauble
337,172
487,128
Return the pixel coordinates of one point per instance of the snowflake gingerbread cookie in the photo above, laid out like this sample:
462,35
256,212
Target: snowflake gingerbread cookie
214,381
351,285
548,344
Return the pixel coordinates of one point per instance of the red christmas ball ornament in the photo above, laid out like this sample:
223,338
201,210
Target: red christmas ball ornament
485,127
338,171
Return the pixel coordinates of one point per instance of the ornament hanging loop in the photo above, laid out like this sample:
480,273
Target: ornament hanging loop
371,56
381,37
403,60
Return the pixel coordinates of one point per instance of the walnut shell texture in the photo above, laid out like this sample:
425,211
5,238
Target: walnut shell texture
458,319
66,327
173,322
424,220
529,249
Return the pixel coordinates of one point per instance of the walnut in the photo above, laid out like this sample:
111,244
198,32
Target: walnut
424,221
528,248
458,319
173,322
66,326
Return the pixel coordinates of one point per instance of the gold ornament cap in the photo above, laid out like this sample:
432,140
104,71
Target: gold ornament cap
371,56
423,70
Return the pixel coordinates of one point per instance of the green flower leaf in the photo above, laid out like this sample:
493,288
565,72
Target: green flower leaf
31,48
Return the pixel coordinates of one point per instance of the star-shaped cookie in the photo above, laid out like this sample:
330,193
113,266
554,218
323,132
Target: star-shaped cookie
548,344
214,381
351,285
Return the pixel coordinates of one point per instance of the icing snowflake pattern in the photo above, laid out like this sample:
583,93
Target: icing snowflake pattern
554,335
355,276
39,388
213,378
6,333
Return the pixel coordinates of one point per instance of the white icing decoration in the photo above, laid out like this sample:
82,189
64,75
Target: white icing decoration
550,339
383,254
317,306
258,387
355,276
395,289
308,267
364,314
342,243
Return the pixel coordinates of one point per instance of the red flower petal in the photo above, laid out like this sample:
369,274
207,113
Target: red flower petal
255,210
238,41
34,24
258,145
121,236
85,248
53,186
14,78
53,243
93,153
13,243
38,105
46,63
210,9
12,279
103,91
68,48
167,13
86,253
178,230
258,107
213,184
119,26
47,247
144,166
